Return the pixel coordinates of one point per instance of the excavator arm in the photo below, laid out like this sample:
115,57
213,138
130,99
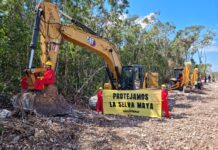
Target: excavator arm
52,32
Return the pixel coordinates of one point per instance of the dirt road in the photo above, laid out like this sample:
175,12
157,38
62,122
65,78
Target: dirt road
194,125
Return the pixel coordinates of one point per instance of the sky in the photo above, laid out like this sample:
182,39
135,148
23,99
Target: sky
183,13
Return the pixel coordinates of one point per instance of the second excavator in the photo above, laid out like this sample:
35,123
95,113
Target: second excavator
184,80
48,26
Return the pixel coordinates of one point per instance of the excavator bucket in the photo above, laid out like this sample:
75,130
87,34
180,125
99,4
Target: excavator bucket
48,103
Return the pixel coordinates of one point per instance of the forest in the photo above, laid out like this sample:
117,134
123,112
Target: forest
159,46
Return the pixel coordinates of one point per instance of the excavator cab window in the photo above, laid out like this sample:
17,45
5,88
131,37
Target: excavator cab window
132,77
178,73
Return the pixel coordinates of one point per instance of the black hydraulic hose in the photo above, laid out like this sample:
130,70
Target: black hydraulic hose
84,27
111,78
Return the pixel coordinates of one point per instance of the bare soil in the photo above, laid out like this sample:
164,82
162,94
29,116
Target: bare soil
193,125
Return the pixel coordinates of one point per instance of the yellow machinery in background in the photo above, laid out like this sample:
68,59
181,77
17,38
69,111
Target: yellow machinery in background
151,80
195,77
176,81
184,79
186,75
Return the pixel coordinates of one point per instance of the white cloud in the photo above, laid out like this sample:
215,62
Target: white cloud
213,42
143,21
120,2
109,23
146,20
123,16
214,68
213,48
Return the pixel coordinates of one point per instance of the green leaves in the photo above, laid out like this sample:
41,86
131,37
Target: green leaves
155,46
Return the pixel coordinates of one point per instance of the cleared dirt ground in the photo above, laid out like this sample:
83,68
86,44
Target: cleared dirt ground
194,125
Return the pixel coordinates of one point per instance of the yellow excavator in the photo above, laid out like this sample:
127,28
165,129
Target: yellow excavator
176,81
48,26
183,79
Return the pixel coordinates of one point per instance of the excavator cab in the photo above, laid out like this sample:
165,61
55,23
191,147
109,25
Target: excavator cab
132,77
175,82
178,73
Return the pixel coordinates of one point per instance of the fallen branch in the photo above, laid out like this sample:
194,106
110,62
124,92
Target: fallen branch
88,80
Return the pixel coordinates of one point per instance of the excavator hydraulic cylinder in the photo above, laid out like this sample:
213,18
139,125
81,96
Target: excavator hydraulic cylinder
34,36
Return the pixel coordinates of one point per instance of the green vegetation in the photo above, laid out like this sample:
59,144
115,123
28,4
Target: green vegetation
1,130
156,46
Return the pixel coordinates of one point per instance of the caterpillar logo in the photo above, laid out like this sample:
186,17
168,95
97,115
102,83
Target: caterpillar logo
91,41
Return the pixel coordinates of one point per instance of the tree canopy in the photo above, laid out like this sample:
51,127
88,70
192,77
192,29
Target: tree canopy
159,46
